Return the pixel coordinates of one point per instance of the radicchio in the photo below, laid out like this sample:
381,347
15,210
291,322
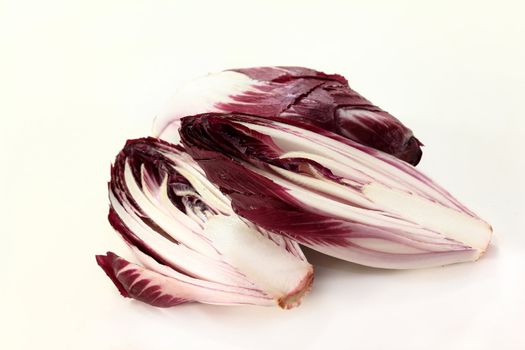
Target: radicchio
294,94
333,194
189,244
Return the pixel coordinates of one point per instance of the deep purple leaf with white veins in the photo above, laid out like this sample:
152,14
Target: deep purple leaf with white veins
296,94
332,194
190,244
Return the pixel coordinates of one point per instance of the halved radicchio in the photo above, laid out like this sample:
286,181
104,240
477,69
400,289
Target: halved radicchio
333,194
190,244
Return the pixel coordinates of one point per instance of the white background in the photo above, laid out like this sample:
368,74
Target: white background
79,78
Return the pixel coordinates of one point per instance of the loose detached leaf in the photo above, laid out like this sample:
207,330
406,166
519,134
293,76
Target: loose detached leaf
294,94
332,194
191,245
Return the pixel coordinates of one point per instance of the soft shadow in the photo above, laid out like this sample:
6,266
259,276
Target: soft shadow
328,270
233,315
492,252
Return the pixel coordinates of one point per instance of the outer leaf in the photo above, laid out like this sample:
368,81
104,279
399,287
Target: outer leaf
191,245
332,194
294,94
